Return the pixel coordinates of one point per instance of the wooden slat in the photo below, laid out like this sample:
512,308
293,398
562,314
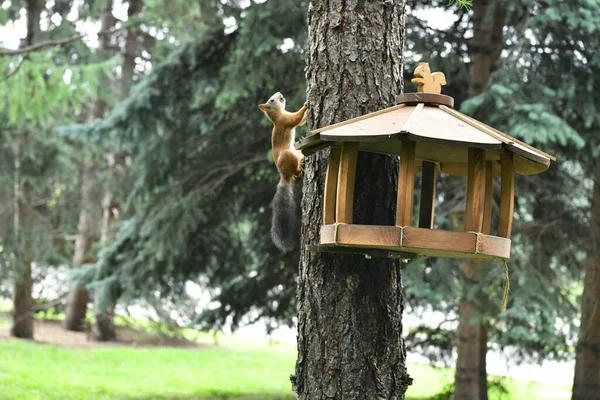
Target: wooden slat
419,238
418,241
365,235
406,183
475,190
427,205
331,181
528,155
488,198
494,246
413,118
507,196
345,187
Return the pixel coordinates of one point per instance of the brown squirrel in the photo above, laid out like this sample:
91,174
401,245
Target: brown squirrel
289,164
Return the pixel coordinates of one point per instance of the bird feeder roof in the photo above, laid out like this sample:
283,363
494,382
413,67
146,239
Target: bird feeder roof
443,135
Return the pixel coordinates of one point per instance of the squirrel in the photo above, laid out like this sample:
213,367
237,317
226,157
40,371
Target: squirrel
426,81
288,161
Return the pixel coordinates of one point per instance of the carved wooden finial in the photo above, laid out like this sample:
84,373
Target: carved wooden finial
426,81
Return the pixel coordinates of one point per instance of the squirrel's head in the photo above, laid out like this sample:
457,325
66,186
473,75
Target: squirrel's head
275,103
422,70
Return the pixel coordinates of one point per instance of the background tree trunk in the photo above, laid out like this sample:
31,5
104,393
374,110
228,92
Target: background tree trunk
104,327
86,235
586,385
130,51
471,375
350,342
23,212
78,298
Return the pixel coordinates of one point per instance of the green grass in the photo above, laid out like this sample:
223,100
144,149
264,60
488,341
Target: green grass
31,371
237,369
429,381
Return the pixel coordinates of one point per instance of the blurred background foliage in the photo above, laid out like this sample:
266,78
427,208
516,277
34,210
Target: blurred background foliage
156,119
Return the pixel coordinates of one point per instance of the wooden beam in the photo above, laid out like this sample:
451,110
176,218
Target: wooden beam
488,199
331,181
406,184
346,180
427,206
419,241
507,195
475,190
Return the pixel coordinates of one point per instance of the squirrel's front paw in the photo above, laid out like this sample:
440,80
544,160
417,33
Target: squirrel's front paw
306,104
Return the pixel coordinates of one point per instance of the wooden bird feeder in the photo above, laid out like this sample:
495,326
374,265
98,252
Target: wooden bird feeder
430,137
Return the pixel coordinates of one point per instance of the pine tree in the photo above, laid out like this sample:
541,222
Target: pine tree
42,85
193,208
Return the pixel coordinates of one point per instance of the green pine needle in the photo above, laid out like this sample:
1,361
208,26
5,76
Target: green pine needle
462,3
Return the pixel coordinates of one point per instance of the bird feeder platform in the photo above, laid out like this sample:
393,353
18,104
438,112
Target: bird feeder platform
430,137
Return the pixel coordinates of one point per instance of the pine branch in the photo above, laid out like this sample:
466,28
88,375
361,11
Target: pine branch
59,42
17,68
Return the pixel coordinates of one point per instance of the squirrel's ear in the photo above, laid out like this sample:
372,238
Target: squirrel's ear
262,107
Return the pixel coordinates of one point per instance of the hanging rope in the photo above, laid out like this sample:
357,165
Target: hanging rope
402,236
506,288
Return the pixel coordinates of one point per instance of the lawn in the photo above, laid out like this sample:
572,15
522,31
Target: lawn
234,369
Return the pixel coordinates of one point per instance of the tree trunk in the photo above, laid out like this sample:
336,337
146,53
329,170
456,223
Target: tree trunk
23,214
22,326
78,297
586,385
485,48
130,51
350,342
471,374
104,328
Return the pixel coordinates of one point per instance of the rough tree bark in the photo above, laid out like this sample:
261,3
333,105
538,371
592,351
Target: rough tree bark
86,234
471,374
586,385
350,342
23,213
470,382
104,327
78,297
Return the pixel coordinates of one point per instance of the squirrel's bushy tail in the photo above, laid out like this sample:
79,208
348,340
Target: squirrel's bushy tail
283,226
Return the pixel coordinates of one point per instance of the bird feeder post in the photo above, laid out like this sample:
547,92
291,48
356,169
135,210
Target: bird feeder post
475,190
507,195
331,182
427,205
345,186
488,198
406,183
